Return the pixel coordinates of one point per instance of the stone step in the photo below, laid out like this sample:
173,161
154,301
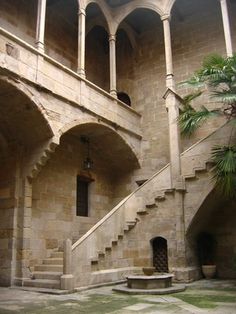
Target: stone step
56,268
160,198
53,261
130,224
142,212
101,254
51,275
42,283
42,290
57,254
152,205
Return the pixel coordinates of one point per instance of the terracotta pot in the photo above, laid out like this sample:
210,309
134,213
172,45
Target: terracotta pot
148,271
209,271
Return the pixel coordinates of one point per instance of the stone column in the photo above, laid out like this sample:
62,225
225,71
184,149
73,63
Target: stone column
112,46
172,106
179,264
226,24
41,16
81,42
24,232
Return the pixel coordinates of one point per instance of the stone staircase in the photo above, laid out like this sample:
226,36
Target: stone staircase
47,275
107,252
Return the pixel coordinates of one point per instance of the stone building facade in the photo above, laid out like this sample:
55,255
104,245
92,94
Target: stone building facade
99,79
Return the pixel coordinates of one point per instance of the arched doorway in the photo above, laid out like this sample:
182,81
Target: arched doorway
22,128
160,254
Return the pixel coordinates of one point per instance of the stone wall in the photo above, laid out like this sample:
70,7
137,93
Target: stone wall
19,17
54,196
7,213
222,226
97,57
61,32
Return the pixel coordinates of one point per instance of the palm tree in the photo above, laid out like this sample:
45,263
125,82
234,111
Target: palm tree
217,76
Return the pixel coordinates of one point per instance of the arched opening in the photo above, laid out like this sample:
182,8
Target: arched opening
22,127
160,254
19,17
215,219
124,98
97,48
125,64
61,32
74,196
141,75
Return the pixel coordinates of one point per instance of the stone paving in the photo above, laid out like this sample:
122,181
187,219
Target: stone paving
215,296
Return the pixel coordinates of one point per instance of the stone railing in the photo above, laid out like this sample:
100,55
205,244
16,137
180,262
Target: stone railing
25,62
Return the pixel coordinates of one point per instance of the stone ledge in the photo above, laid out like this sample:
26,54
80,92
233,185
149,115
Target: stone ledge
173,289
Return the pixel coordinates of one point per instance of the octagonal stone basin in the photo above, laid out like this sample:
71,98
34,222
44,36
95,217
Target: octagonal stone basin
150,282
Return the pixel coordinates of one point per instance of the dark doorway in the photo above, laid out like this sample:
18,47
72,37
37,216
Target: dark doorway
160,255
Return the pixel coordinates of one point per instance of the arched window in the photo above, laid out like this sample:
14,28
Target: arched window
124,98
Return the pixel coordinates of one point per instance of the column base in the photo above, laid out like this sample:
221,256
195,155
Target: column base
81,73
113,93
67,282
40,47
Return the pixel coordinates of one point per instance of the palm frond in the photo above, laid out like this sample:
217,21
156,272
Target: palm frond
190,119
225,96
224,170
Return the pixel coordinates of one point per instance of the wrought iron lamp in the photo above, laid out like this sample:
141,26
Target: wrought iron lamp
88,163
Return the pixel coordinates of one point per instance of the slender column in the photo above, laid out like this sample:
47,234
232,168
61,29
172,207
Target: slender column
172,106
175,161
226,24
112,45
41,16
81,42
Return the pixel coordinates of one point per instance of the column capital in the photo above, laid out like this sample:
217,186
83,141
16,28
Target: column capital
81,11
165,17
112,37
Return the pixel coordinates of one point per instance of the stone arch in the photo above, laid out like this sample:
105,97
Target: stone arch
93,122
104,9
97,22
130,33
203,209
126,10
32,105
24,132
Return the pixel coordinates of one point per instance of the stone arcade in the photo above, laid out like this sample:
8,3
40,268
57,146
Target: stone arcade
106,72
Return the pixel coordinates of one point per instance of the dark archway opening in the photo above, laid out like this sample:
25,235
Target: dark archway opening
160,255
206,248
124,98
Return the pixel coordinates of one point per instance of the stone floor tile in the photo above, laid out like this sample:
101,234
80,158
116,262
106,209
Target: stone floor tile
138,307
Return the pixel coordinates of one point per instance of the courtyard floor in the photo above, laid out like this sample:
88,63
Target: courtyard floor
213,296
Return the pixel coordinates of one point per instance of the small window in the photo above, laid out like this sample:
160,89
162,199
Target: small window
124,98
82,196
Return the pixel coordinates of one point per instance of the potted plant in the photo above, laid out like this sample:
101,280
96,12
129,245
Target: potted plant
206,251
